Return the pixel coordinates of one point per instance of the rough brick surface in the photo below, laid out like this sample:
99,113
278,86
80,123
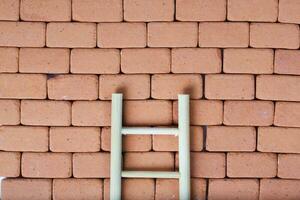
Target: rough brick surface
288,166
289,11
9,112
10,166
287,114
287,62
9,10
9,59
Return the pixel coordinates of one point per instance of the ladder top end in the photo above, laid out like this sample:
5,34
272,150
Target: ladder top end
117,95
183,96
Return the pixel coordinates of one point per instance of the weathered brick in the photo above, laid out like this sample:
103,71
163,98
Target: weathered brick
24,138
211,34
9,10
161,34
9,59
288,166
10,166
9,112
287,62
289,11
287,114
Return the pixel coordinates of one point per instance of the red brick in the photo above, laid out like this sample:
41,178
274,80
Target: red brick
225,86
73,87
46,113
145,161
23,86
144,10
91,165
24,138
278,189
278,87
62,35
135,61
130,142
77,189
121,35
275,139
169,86
132,86
211,34
249,113
22,34
74,139
47,165
9,59
48,60
10,166
9,112
228,189
46,10
274,35
252,10
196,60
97,10
287,114
261,165
203,112
227,138
288,166
161,34
95,61
248,61
27,189
9,10
289,11
201,10
287,62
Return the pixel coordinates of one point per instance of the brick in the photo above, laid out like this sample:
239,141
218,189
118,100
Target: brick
143,10
170,143
279,140
26,189
169,86
91,165
9,112
97,11
91,113
77,189
136,61
145,161
46,10
46,113
74,139
129,143
260,165
278,87
9,59
226,189
25,86
228,138
46,165
95,61
274,35
49,60
62,35
160,34
248,61
22,34
10,166
249,113
288,166
277,189
9,10
252,10
196,60
226,86
289,11
132,86
73,87
287,114
24,138
211,34
203,112
287,62
121,35
201,10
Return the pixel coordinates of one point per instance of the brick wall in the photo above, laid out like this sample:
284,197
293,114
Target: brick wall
239,60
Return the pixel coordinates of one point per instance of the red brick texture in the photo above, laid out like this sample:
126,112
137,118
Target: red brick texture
60,61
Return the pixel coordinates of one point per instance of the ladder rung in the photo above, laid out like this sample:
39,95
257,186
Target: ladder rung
149,130
149,174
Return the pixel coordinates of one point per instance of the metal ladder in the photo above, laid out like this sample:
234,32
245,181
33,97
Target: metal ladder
183,132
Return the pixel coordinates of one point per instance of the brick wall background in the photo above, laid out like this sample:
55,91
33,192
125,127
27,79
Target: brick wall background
60,60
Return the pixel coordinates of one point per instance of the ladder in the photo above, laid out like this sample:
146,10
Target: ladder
183,133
